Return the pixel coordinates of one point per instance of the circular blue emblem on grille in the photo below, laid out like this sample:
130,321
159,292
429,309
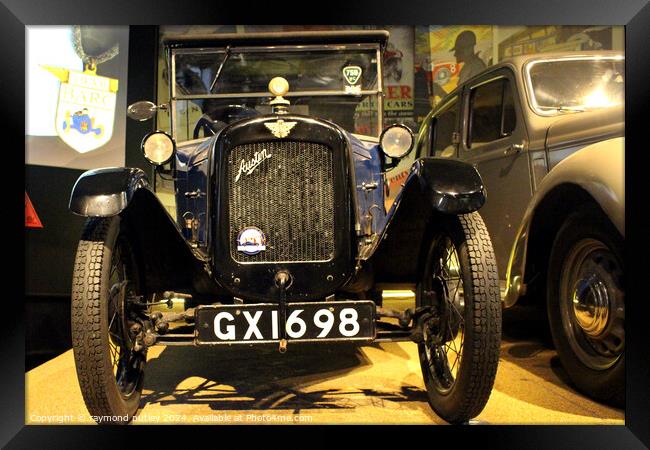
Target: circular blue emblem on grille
251,241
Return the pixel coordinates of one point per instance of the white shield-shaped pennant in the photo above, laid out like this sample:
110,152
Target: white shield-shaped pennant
86,109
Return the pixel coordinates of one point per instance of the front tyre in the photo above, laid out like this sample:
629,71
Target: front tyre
461,338
105,282
586,305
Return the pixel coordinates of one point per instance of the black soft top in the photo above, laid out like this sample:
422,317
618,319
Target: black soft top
277,38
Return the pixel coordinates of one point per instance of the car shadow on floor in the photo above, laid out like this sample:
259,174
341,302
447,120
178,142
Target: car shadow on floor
527,343
262,379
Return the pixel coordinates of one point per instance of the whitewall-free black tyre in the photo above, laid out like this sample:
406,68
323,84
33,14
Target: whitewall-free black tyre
586,305
460,352
105,275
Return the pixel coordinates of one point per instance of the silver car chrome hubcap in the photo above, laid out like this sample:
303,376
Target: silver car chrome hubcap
592,304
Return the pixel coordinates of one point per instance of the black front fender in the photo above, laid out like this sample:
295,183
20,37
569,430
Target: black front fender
453,187
106,192
435,191
166,260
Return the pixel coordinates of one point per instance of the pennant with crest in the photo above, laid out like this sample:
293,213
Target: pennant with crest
86,110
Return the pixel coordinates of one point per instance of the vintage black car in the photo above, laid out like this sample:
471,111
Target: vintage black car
281,236
545,132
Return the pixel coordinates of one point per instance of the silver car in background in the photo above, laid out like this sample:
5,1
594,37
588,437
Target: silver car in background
546,134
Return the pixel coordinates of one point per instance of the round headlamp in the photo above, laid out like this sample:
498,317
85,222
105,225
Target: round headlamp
158,147
396,141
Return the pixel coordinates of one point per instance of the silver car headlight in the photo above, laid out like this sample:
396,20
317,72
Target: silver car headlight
396,141
158,147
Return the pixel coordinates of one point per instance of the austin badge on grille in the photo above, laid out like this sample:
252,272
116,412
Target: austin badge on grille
251,241
247,167
280,128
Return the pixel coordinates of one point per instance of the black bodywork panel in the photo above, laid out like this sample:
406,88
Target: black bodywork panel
453,187
165,258
106,192
435,190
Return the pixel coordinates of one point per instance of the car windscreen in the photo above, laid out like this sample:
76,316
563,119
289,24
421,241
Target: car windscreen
216,87
356,114
222,71
566,85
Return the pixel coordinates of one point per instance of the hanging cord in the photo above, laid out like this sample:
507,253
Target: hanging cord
91,62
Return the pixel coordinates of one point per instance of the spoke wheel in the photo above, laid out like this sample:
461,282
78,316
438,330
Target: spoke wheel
444,343
460,349
125,362
105,278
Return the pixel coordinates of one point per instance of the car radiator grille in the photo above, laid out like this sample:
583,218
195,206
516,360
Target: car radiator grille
289,195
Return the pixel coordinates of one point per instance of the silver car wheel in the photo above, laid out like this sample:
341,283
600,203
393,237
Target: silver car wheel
592,304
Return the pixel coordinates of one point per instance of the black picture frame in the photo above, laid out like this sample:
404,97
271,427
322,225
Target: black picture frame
633,14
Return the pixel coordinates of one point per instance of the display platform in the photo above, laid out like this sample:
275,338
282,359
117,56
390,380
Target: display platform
336,384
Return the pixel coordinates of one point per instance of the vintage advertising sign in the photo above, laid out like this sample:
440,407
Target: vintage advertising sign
86,109
398,76
399,98
553,38
457,53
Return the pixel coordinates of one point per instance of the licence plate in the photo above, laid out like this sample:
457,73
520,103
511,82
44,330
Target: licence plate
306,322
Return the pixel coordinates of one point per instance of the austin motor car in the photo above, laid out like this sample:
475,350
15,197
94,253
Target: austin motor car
280,235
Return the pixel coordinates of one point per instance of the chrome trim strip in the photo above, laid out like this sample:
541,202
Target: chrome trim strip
171,79
489,80
275,48
365,137
448,104
186,51
380,91
267,94
298,48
